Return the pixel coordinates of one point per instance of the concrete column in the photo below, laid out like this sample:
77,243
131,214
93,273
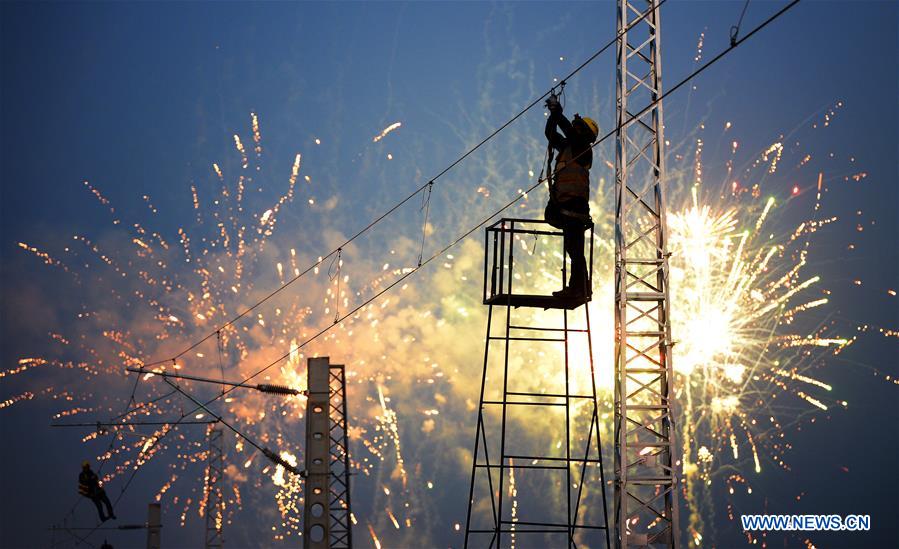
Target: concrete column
316,518
154,526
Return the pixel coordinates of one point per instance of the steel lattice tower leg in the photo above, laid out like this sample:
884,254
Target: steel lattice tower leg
646,483
566,478
215,502
341,534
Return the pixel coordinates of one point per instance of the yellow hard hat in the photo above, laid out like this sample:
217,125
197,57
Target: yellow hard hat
594,128
85,464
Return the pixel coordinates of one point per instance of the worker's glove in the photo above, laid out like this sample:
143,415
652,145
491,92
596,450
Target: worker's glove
553,103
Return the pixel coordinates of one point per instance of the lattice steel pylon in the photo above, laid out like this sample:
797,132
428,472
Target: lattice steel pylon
327,512
215,502
646,482
538,422
339,454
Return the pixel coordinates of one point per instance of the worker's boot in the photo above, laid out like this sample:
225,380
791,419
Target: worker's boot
564,293
578,287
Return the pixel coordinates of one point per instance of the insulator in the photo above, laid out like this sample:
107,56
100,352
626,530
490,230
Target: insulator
277,389
280,461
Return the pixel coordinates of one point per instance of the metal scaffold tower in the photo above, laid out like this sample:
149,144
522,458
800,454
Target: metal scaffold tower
645,447
536,478
215,502
326,514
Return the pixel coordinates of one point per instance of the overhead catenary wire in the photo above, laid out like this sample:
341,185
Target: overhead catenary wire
402,202
735,30
122,527
143,405
171,428
339,262
71,532
220,345
129,423
524,193
426,206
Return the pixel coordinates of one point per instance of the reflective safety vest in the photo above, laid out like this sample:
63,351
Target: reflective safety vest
88,484
572,180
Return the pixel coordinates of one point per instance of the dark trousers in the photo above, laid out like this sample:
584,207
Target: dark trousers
573,233
574,247
100,499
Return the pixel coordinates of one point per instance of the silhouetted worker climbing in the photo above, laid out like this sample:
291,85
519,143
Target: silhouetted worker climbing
89,487
569,190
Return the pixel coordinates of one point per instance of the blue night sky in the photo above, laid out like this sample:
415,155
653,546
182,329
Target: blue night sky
141,99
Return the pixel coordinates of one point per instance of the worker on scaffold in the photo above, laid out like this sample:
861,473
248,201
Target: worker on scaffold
569,190
89,487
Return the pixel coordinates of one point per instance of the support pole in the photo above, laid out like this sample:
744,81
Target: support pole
316,518
154,526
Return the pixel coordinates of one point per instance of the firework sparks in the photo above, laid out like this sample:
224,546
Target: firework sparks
740,294
385,131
